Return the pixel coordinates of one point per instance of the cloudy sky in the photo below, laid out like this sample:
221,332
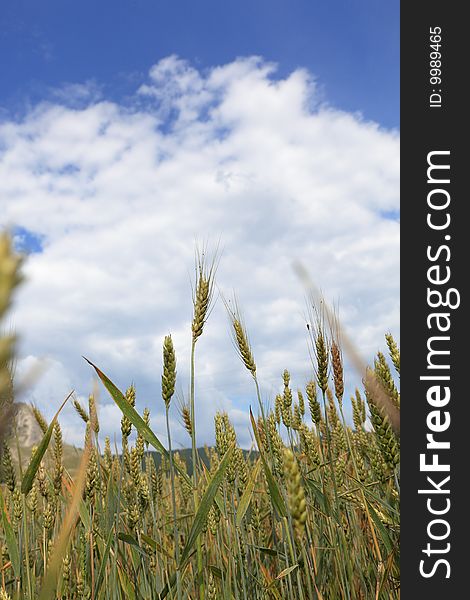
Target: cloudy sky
273,130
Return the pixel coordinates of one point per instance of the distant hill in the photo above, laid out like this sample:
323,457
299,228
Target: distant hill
186,456
25,433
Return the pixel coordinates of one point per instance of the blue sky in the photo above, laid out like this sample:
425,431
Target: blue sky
130,129
352,46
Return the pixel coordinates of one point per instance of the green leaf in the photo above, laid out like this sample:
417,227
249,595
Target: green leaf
166,590
126,584
217,572
10,539
111,503
380,526
268,551
220,503
35,461
206,503
247,495
129,539
84,515
136,420
320,497
155,545
104,560
275,493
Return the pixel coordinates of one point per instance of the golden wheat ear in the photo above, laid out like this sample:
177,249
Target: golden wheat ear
203,292
239,334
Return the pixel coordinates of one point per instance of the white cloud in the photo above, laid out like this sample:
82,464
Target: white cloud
118,195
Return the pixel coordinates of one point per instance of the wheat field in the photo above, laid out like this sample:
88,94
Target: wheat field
310,512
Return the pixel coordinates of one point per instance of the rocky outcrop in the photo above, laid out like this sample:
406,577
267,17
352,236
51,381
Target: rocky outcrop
25,426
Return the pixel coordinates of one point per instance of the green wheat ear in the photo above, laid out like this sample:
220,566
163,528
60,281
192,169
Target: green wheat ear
240,335
295,493
169,370
244,346
386,438
203,294
394,351
384,375
313,404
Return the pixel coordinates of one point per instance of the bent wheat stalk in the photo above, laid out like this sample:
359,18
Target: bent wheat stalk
10,278
371,383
